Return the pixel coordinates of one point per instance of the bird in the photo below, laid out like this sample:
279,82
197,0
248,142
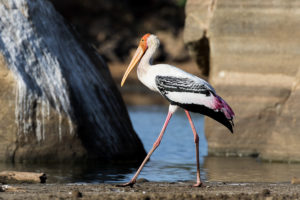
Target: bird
182,90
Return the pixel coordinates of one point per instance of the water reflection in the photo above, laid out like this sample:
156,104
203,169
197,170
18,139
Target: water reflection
76,173
231,169
174,160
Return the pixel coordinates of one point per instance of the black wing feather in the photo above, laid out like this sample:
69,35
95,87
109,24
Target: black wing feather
167,84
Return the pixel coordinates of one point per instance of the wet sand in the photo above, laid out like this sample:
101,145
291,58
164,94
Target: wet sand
154,190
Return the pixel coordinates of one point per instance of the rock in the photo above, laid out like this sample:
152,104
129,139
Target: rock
197,22
199,14
265,192
7,188
254,65
11,177
76,194
57,98
43,178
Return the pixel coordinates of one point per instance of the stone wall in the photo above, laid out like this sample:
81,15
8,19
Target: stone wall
254,64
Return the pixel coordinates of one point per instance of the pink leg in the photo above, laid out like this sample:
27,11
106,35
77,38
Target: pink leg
155,145
196,140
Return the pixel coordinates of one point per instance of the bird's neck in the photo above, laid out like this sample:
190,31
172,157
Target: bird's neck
145,65
147,59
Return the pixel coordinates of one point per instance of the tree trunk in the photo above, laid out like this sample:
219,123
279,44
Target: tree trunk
57,98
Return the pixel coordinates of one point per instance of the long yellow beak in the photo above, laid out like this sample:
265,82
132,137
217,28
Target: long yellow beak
135,59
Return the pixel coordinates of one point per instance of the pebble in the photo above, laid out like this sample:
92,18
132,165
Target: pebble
4,188
266,192
76,194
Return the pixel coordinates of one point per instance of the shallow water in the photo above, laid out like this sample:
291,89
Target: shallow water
174,160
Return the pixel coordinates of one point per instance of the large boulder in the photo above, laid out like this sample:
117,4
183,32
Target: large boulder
254,65
57,98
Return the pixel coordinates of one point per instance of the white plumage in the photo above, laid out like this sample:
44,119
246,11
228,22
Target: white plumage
148,79
181,89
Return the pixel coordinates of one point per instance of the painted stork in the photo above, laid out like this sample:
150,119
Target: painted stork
181,89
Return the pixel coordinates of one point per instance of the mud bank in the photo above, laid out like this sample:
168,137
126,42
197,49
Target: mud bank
154,190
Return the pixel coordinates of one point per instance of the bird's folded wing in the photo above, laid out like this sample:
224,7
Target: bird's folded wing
167,84
195,97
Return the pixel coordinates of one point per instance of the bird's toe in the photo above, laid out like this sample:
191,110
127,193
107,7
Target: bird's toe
130,184
199,185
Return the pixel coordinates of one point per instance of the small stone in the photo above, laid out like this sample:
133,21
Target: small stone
7,188
43,178
147,198
76,194
266,192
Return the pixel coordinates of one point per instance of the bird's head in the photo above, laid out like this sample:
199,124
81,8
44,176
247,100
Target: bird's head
147,41
144,42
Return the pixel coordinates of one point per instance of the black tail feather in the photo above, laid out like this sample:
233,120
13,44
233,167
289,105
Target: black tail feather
216,115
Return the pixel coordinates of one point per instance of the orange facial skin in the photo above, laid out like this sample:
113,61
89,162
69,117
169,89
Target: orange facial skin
143,42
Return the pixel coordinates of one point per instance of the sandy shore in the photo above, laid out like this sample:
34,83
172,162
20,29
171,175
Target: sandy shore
154,190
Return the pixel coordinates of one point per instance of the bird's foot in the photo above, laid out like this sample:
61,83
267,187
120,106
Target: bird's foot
200,184
130,184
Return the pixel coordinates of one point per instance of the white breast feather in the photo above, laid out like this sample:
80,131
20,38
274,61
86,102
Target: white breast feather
191,98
